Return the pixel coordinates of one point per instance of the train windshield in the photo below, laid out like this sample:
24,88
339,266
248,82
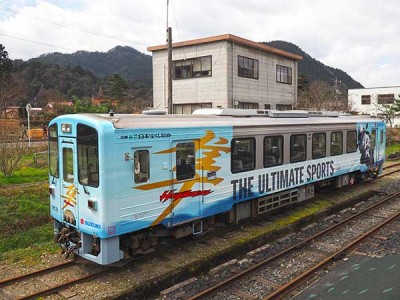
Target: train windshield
88,156
53,151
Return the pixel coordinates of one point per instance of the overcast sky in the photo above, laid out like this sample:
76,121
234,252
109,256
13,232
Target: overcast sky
361,37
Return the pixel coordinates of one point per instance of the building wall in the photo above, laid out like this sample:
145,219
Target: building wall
265,89
224,87
354,100
193,90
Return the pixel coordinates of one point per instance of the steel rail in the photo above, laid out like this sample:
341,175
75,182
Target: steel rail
62,286
12,280
230,281
294,283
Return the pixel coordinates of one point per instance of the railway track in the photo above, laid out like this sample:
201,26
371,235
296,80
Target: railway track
49,280
314,253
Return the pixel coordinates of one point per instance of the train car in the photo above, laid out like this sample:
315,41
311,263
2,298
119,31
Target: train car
119,183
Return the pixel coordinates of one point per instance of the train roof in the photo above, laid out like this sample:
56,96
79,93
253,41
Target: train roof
125,121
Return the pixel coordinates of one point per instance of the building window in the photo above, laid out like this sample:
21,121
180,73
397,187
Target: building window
243,156
192,67
247,67
386,99
188,108
185,159
267,106
298,148
248,105
318,145
284,107
365,99
336,143
351,141
273,151
283,74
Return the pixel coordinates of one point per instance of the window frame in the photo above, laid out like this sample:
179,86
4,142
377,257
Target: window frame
281,150
291,148
189,67
312,145
365,99
347,141
51,141
233,142
67,165
79,157
280,74
136,178
179,178
332,133
246,61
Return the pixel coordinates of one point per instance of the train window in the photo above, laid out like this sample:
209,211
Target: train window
243,155
351,141
318,145
373,138
381,137
68,165
53,150
336,143
185,160
88,156
298,147
142,166
273,151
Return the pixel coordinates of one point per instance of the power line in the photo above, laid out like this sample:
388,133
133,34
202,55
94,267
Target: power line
85,30
35,42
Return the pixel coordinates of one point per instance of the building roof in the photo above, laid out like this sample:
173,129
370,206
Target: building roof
232,38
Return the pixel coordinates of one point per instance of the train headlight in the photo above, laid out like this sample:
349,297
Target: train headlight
66,128
92,204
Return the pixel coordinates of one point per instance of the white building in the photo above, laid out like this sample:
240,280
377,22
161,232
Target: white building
225,71
371,100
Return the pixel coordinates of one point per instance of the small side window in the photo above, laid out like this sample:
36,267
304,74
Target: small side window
141,166
373,138
185,161
298,147
381,137
243,155
68,165
318,145
336,143
351,141
273,151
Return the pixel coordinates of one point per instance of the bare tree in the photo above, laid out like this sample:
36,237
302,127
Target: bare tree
12,147
387,112
319,95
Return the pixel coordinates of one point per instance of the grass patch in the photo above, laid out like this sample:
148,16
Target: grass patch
392,149
27,238
23,209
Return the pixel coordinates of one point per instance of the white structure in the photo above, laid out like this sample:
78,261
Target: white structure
225,71
370,100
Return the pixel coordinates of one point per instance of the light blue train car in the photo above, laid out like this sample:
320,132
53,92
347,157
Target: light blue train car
119,183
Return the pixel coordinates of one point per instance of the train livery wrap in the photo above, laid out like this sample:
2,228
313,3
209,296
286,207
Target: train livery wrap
119,183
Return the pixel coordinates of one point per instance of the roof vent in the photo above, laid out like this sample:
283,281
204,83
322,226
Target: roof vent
154,112
111,113
233,112
333,114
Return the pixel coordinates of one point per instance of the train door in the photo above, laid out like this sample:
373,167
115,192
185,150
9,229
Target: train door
374,145
69,179
186,192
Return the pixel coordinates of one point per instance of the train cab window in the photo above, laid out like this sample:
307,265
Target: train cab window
373,138
351,141
53,150
88,155
142,166
68,165
298,147
185,161
273,151
336,143
243,155
318,145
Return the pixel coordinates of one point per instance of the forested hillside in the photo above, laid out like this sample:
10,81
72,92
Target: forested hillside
127,62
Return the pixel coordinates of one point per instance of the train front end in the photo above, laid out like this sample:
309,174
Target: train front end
76,189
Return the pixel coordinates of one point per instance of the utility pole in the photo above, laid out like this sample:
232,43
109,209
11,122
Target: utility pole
169,66
337,91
